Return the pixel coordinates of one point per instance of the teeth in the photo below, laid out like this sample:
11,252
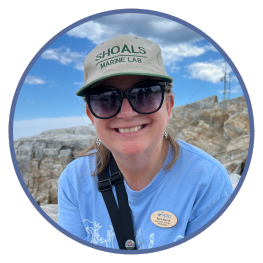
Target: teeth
132,129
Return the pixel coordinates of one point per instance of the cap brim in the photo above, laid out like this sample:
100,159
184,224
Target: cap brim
81,92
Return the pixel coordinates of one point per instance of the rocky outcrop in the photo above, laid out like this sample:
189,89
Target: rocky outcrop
51,211
41,159
219,128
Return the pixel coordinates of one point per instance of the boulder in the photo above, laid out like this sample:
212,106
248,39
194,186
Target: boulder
219,128
51,211
41,159
234,180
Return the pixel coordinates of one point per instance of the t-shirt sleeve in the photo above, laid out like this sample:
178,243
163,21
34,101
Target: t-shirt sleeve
211,197
68,210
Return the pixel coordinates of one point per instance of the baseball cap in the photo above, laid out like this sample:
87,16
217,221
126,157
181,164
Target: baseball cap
123,55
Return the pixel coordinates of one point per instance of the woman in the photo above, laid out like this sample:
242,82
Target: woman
173,188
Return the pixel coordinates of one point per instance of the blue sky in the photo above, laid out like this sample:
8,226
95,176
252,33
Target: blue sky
47,99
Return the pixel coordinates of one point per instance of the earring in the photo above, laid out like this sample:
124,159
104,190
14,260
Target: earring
98,141
166,134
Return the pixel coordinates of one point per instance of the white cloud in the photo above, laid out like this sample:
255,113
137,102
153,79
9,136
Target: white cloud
156,28
234,78
32,80
165,26
177,52
90,30
174,68
210,48
211,71
79,83
66,57
27,128
235,89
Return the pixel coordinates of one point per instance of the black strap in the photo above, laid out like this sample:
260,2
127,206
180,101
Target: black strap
120,217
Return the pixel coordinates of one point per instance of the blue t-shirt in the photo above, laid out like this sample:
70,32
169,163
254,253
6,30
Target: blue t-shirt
194,190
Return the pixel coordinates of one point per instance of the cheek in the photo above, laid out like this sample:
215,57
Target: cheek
162,115
100,126
160,122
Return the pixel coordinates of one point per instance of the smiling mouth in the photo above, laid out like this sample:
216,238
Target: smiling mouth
131,129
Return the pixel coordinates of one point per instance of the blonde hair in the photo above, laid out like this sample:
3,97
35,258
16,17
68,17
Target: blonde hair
103,153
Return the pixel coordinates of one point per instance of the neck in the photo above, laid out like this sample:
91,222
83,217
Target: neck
140,170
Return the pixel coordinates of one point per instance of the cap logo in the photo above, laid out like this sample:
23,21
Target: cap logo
119,54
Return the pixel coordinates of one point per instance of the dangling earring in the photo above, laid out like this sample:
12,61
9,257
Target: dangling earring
98,141
166,134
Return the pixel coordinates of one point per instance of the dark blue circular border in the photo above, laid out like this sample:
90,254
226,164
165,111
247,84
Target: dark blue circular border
149,12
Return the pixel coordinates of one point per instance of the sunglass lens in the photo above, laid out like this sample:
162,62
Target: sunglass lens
104,102
146,98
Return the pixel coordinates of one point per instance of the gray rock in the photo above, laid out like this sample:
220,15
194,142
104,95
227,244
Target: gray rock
237,125
65,156
42,159
219,128
208,103
234,179
50,152
71,130
52,133
85,130
51,211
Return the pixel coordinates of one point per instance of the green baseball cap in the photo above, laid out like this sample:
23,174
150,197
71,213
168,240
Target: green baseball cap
123,55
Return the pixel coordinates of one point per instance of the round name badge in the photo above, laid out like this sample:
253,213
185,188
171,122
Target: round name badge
130,244
164,219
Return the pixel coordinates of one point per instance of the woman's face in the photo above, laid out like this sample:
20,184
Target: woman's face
145,131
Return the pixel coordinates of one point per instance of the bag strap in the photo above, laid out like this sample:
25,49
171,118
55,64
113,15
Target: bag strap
120,217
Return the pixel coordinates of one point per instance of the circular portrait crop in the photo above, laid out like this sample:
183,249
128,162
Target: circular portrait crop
131,132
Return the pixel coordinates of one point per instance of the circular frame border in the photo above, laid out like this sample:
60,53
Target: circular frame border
114,12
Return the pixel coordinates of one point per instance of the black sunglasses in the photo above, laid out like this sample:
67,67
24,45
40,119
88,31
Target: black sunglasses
144,98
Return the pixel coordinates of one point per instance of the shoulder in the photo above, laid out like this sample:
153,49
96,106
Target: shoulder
205,180
78,170
200,157
204,167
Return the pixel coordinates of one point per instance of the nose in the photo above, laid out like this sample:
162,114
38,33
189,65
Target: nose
126,111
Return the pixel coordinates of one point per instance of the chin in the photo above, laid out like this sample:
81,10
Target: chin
131,149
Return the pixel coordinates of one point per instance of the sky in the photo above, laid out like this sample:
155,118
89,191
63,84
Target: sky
47,98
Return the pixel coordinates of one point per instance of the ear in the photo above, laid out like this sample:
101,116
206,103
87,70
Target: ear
89,114
169,101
